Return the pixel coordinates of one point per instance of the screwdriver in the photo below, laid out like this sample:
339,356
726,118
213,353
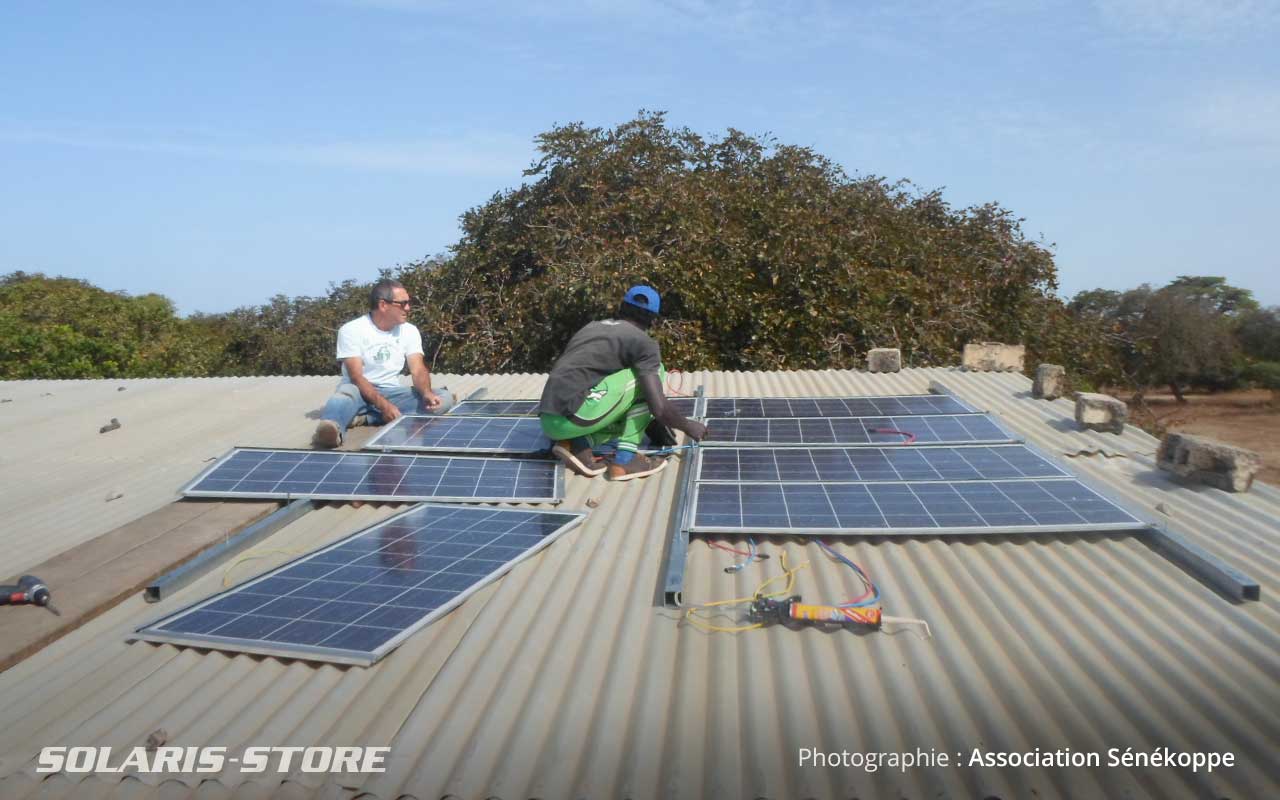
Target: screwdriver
29,590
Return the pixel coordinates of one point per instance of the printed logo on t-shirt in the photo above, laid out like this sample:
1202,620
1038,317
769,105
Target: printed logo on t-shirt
382,354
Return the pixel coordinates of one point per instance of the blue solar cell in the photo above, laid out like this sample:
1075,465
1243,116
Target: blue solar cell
496,408
941,429
354,599
292,474
529,408
982,506
870,464
783,407
471,434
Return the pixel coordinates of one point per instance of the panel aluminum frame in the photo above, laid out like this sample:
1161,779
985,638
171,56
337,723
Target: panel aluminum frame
1062,472
558,492
376,443
965,408
1010,437
328,654
985,530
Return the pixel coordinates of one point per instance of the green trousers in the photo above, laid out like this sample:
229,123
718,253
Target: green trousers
609,412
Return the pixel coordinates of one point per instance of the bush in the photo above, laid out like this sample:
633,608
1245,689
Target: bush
1263,374
286,336
67,328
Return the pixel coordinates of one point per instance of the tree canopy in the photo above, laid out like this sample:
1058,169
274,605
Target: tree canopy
1197,330
67,328
768,256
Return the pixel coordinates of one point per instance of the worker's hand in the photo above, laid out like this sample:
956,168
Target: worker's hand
696,430
389,411
431,401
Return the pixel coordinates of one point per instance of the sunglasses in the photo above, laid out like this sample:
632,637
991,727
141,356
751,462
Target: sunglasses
404,304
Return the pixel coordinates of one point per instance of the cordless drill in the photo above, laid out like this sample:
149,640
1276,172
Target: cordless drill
29,590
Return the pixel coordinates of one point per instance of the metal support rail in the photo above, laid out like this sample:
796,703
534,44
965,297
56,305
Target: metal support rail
214,556
1200,563
678,545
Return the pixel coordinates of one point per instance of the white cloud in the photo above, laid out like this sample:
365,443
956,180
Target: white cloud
1190,20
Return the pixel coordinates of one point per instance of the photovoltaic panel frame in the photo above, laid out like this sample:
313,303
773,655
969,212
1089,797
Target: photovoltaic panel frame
448,433
864,406
855,431
357,599
717,499
896,509
266,473
529,408
496,408
874,464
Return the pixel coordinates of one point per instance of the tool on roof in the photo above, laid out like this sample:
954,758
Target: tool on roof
765,609
29,590
700,621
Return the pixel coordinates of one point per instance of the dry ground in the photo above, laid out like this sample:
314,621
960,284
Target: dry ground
1248,418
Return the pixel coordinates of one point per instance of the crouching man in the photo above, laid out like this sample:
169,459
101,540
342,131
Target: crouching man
373,349
607,386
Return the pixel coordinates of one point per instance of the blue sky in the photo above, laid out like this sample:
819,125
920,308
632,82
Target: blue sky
220,153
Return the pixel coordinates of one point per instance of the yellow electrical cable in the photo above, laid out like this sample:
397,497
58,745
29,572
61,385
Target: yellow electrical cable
790,574
226,575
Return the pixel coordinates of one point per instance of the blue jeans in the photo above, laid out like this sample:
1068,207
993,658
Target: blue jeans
346,404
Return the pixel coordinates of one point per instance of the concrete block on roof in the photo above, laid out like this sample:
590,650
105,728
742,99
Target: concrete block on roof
1208,461
993,357
884,359
1100,412
1050,381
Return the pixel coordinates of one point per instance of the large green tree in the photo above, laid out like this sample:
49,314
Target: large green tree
1181,334
768,256
285,336
67,328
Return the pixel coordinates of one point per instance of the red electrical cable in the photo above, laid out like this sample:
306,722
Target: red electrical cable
720,546
675,390
911,437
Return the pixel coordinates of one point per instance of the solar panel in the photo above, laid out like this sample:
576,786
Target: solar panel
319,475
887,406
1026,506
357,599
942,429
472,434
865,464
529,408
496,408
685,405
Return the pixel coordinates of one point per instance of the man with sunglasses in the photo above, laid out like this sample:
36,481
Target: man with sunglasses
373,349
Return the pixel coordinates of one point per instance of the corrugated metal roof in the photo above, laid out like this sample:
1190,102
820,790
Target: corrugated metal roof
63,483
566,678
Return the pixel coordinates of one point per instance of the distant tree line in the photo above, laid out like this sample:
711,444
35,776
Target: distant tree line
1198,331
768,256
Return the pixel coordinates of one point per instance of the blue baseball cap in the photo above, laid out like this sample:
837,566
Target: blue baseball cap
642,297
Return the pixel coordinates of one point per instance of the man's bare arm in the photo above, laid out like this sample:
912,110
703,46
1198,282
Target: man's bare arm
421,375
355,371
665,412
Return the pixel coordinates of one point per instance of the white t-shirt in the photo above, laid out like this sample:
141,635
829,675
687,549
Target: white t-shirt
383,352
